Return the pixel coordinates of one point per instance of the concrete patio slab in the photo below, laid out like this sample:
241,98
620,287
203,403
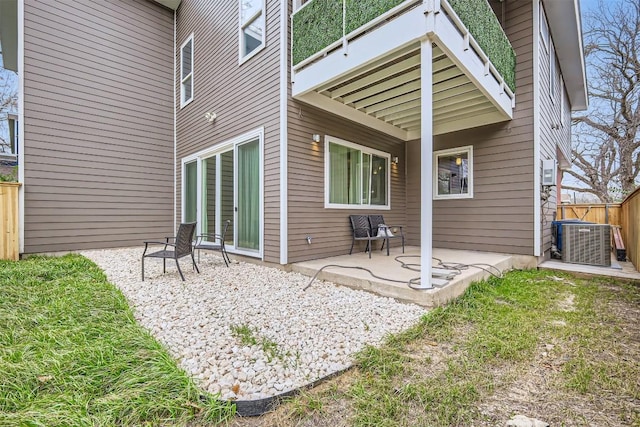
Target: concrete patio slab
391,275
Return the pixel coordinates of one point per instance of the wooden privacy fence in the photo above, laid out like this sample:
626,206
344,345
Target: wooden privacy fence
9,237
608,213
630,226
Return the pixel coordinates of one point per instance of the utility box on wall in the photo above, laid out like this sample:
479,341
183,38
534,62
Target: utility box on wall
549,172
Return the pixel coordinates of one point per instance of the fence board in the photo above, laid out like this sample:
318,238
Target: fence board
9,230
609,213
630,225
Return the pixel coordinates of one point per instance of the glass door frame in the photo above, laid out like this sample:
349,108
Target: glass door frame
216,150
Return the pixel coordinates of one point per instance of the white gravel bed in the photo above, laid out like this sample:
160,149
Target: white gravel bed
300,336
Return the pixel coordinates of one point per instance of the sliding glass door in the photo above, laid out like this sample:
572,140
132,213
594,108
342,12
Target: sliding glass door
226,185
248,181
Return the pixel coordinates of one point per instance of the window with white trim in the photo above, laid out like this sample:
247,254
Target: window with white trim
252,28
355,176
453,173
186,72
562,102
553,71
544,28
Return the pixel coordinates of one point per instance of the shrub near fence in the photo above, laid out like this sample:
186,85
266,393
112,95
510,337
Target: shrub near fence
9,238
630,225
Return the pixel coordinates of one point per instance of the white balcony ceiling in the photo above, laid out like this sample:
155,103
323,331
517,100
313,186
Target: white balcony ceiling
389,91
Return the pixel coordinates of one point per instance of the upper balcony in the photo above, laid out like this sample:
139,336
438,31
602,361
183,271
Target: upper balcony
361,59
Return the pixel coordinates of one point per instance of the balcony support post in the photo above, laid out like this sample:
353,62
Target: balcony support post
426,162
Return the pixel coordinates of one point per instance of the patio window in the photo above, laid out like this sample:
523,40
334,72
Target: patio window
186,72
453,171
355,176
252,28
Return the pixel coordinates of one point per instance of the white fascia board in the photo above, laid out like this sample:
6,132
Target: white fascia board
391,37
449,39
565,25
327,104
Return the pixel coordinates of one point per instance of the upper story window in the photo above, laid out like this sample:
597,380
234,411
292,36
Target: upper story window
544,28
454,173
186,72
252,28
355,176
563,100
553,71
297,4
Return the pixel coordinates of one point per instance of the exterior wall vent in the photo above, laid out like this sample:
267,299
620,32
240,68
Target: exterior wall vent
587,244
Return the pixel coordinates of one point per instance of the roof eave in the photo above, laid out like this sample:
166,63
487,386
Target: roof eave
171,4
565,25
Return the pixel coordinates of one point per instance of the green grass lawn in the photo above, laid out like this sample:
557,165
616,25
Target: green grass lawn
71,354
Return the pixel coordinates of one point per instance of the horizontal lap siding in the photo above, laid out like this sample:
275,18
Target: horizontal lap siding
329,228
244,97
98,97
499,217
555,133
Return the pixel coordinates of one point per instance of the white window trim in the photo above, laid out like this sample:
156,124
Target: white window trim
544,29
328,139
183,102
242,59
562,101
217,149
468,149
553,72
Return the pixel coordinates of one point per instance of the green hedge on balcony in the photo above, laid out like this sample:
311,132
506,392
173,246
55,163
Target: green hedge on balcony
315,27
360,12
482,23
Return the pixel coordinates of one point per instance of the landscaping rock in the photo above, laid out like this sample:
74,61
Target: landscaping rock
301,335
524,421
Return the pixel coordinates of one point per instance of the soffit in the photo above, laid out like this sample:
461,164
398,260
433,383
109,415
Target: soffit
389,91
171,4
565,25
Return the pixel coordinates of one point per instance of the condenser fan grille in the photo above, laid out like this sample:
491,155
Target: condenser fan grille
586,244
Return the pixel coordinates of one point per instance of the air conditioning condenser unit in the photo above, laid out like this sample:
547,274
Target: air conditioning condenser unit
588,244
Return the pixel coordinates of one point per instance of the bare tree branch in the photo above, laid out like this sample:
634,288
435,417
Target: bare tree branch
607,137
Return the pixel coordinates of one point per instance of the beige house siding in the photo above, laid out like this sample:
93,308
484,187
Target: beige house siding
98,123
244,96
499,217
329,228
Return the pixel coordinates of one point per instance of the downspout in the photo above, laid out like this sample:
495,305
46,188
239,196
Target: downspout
284,91
21,165
537,229
175,133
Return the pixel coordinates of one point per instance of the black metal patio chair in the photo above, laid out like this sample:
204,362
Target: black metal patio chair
384,231
362,231
182,246
213,242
